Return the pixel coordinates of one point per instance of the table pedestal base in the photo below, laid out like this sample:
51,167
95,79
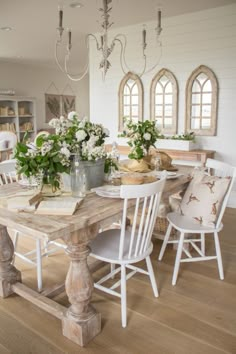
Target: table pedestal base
82,332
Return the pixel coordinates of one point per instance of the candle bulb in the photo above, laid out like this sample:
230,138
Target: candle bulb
69,39
60,18
159,19
144,37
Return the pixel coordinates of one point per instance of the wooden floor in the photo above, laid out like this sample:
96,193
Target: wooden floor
198,315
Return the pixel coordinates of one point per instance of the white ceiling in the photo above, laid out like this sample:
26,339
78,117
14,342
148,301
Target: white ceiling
34,22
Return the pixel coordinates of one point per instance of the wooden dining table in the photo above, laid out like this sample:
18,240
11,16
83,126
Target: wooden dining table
80,322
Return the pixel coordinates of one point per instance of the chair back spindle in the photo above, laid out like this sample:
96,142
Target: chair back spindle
8,172
143,216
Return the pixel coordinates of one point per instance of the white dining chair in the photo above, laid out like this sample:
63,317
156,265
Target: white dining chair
126,246
187,225
34,257
8,141
8,171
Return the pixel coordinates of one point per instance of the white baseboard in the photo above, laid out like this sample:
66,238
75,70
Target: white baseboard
232,199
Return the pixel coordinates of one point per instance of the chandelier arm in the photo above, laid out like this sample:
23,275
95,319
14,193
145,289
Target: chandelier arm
95,38
73,77
65,70
158,61
57,43
121,53
123,46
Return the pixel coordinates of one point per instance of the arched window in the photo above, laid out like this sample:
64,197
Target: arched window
130,99
164,101
201,101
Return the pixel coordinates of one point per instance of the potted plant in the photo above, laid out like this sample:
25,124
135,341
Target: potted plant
141,137
185,141
44,161
52,153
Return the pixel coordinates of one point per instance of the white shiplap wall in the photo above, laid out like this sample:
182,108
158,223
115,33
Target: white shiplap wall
200,38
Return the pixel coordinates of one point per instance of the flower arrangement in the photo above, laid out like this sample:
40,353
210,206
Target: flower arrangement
142,136
50,154
44,160
81,136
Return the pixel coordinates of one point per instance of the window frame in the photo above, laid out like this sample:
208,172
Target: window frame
138,81
202,69
175,94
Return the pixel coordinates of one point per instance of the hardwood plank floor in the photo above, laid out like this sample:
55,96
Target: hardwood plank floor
198,315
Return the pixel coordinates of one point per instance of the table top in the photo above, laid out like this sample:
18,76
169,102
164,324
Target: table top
93,210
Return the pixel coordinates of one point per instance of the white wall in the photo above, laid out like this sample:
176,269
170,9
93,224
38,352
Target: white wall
34,81
206,37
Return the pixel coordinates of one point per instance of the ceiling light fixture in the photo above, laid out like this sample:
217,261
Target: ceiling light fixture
103,46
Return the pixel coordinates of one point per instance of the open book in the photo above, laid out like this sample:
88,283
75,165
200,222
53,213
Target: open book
25,200
59,206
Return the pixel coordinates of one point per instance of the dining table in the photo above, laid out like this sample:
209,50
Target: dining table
80,321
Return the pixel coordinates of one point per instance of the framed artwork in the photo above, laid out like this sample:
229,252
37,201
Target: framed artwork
68,104
58,105
53,106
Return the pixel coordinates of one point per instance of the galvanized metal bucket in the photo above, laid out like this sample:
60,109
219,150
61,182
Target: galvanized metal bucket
94,172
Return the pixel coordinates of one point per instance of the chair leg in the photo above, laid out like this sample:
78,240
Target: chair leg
178,258
15,241
164,244
39,265
203,243
152,276
123,297
45,245
218,255
113,267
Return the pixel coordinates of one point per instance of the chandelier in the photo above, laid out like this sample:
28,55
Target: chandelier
103,46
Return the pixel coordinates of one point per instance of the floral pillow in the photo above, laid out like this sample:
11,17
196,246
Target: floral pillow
203,198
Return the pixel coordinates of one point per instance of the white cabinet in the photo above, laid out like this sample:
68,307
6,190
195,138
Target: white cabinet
18,115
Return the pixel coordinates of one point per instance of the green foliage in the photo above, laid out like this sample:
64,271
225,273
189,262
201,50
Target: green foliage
187,136
109,163
46,158
142,136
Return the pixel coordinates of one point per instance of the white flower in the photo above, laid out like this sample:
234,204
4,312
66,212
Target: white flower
62,119
72,115
147,136
46,147
65,151
80,135
32,146
54,122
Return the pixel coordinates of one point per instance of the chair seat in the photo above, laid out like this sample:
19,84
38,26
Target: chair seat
106,247
186,225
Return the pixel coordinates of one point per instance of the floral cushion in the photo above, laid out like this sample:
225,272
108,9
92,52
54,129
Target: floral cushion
203,198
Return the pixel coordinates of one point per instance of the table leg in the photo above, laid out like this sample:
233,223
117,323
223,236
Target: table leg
82,322
8,273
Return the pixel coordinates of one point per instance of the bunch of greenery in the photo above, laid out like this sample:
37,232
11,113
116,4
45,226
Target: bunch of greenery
142,136
186,136
45,159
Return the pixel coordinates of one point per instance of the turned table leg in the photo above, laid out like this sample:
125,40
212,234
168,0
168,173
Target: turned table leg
82,322
8,273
